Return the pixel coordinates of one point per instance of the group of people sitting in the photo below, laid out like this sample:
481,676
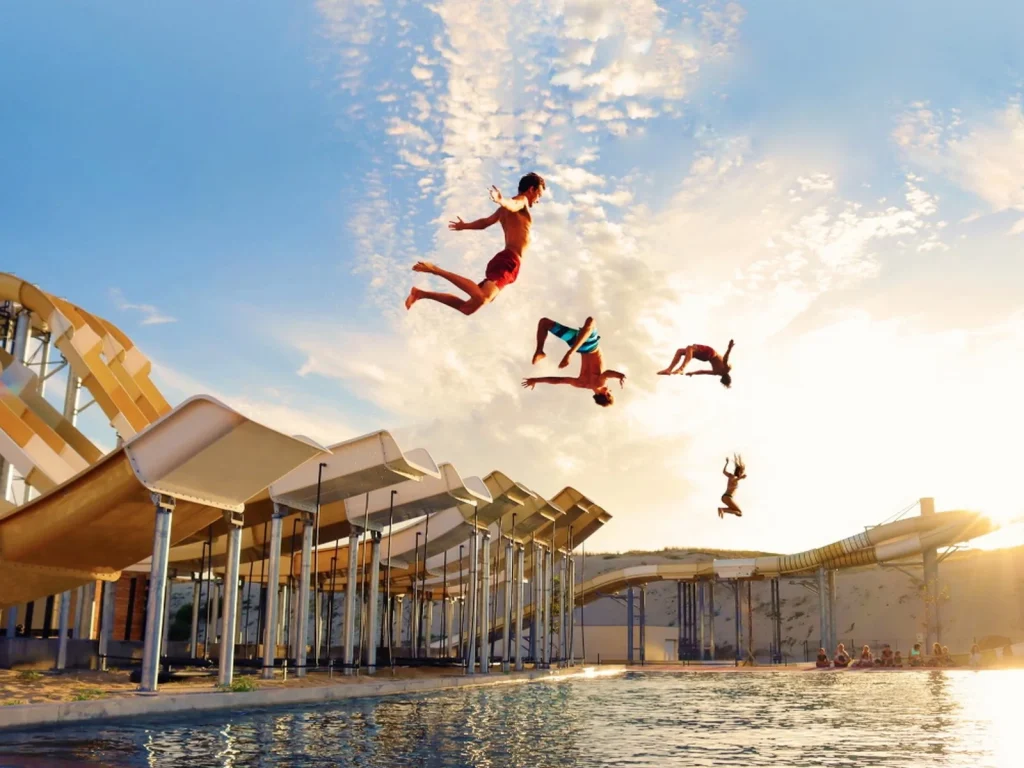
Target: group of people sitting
939,657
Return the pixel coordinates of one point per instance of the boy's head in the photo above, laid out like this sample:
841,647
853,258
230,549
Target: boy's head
532,185
726,380
603,397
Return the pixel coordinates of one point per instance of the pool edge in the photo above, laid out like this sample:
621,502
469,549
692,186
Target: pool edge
53,715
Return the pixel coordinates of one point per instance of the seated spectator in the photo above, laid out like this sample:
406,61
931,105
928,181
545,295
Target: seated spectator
842,658
947,658
822,661
897,660
975,659
886,660
935,659
867,659
915,656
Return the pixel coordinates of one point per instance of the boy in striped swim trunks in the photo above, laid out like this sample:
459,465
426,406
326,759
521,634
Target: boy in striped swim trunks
719,363
585,341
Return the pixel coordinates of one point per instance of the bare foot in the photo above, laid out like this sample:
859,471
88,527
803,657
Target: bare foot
423,266
721,515
538,357
666,372
414,295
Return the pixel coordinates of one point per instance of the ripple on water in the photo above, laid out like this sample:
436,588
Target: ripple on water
934,719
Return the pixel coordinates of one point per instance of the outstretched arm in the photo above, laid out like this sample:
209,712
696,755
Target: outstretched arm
701,373
581,337
513,204
610,374
529,383
728,352
484,223
725,469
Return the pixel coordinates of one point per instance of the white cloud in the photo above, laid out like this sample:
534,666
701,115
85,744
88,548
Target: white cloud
984,154
151,314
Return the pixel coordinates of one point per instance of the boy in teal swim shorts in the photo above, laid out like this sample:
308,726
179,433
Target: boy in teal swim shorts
585,341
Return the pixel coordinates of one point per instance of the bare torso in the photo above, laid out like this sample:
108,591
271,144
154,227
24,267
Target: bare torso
734,483
591,370
516,226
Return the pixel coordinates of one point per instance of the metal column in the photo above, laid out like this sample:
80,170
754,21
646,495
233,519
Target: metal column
506,646
832,639
193,644
702,613
302,606
371,646
739,620
643,623
230,625
932,588
106,622
563,619
535,603
823,608
545,602
62,644
629,625
472,607
679,620
521,563
348,631
164,508
485,646
271,627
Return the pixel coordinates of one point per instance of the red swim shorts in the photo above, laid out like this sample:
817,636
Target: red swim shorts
503,269
703,353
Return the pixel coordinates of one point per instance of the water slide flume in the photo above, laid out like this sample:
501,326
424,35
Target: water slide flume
203,457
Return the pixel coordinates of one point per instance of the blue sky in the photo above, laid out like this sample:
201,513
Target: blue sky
243,187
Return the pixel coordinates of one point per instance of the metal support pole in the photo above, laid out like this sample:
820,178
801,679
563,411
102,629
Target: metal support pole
302,612
679,620
371,645
427,628
832,640
750,620
702,613
822,609
545,602
630,643
932,588
472,607
62,644
711,618
563,622
271,629
164,508
485,559
572,611
506,646
739,620
535,604
643,623
349,625
521,558
106,622
230,625
449,644
193,642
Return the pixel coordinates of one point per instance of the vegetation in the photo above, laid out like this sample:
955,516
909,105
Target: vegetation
29,674
14,702
87,694
181,624
240,685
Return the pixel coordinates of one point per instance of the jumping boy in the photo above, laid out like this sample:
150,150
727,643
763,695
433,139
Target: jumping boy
502,270
719,363
592,373
738,473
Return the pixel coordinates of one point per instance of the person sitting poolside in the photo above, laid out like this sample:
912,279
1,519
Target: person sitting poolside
822,661
915,656
866,659
842,658
947,658
935,659
897,660
886,660
975,659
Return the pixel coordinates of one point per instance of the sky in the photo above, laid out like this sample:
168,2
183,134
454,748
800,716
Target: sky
243,188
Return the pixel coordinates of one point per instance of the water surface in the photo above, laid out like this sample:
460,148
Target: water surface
934,719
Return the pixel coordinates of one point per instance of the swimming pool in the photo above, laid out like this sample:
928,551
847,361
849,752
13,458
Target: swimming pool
935,718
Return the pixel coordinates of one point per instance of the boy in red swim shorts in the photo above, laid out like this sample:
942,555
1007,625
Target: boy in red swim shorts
719,363
503,269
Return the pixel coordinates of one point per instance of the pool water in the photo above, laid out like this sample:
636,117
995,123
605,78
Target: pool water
934,718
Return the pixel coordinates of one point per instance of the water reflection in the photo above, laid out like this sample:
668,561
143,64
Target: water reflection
941,718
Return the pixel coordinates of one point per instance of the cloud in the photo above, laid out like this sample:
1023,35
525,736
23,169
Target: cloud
983,154
151,314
